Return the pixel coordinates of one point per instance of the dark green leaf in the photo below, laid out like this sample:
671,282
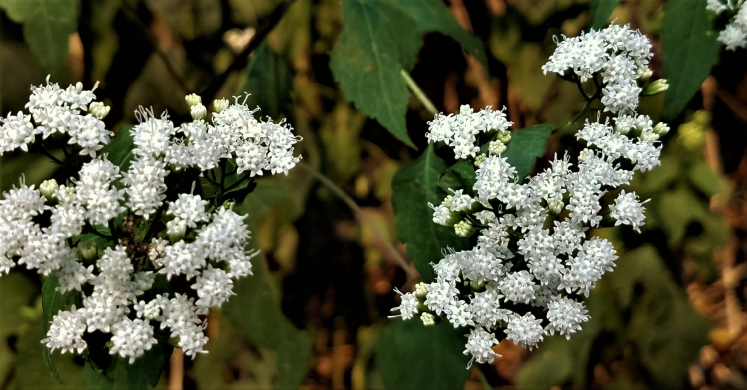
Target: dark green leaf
412,356
121,375
690,49
52,302
413,187
268,81
30,370
676,209
526,146
119,149
600,11
47,25
434,15
256,298
378,40
459,176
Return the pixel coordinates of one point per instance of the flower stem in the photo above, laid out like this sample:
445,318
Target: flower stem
401,261
419,94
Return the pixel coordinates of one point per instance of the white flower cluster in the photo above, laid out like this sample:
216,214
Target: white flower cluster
617,53
533,259
54,111
734,35
196,249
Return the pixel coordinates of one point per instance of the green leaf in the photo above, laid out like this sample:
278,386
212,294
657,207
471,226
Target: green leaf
121,375
30,370
257,298
119,149
47,25
268,81
551,365
434,15
690,49
413,187
707,181
676,209
412,356
52,302
526,146
459,176
378,40
600,11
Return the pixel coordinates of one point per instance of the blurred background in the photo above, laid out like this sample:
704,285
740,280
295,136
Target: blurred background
314,316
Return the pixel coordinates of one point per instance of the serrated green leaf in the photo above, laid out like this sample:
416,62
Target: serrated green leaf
526,146
377,41
268,81
434,15
119,149
413,187
257,298
143,373
600,11
412,356
47,25
690,49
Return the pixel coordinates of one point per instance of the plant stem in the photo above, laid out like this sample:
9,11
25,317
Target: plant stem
419,94
401,261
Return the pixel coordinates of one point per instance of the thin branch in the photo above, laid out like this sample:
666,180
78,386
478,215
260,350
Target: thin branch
419,94
210,93
401,261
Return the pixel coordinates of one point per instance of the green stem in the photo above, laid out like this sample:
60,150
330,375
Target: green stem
401,261
575,119
419,94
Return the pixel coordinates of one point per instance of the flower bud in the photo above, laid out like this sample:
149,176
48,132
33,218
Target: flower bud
176,229
88,250
464,229
655,88
48,187
98,110
504,137
220,105
421,290
661,128
586,153
198,111
555,206
193,99
480,159
496,148
428,319
443,215
644,73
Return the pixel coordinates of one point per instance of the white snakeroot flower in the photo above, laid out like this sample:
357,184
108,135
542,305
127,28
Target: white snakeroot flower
480,345
565,316
627,210
734,36
408,306
46,229
66,332
525,330
532,256
131,338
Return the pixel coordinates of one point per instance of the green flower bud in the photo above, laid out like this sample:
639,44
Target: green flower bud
193,99
496,148
464,229
48,187
428,319
655,88
88,250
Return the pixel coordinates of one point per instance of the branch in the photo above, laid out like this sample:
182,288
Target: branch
210,93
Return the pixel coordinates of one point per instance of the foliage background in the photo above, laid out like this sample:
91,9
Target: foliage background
314,316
